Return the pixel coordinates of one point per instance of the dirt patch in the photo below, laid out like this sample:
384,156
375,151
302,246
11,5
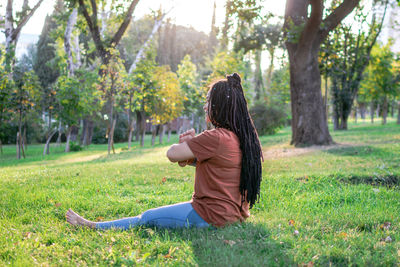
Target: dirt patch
286,152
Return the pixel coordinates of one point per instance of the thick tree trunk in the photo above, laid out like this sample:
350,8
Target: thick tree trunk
343,123
384,110
138,126
392,108
24,141
309,125
84,132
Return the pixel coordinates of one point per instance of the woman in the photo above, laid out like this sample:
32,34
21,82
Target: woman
228,168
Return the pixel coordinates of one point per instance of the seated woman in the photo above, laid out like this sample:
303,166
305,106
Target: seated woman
228,168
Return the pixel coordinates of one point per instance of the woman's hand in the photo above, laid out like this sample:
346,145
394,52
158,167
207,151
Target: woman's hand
187,135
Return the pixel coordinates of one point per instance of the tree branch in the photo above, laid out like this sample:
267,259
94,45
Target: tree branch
24,20
94,30
311,28
345,8
118,35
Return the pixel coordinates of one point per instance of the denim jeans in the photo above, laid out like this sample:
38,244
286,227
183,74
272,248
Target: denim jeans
181,215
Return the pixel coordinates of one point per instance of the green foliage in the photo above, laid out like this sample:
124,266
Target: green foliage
380,75
187,76
169,103
77,95
268,119
279,90
75,147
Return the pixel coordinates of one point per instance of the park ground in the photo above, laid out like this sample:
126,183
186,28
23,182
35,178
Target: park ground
331,206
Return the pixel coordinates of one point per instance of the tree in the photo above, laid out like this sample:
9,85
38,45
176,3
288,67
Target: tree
381,79
346,53
13,28
105,47
193,101
304,34
169,102
24,97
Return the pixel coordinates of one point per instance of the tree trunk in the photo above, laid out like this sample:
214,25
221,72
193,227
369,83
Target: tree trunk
1,147
18,147
67,146
90,132
162,133
153,134
24,141
309,126
343,123
169,126
46,150
398,112
84,132
271,51
362,110
384,110
392,108
372,111
138,126
259,87
111,136
59,134
132,122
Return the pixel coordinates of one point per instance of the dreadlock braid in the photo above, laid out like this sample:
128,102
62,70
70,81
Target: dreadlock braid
228,109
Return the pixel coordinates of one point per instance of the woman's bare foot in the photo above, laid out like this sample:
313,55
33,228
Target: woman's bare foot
74,219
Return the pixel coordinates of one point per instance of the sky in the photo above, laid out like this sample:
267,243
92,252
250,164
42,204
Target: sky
195,13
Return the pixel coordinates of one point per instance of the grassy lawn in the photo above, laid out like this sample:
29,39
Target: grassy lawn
337,206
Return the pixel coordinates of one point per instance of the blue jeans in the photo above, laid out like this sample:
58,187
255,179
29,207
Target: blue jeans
181,215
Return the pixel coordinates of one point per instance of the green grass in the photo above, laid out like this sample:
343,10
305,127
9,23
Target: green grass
340,200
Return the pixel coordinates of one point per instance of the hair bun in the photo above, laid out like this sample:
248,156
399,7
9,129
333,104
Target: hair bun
234,79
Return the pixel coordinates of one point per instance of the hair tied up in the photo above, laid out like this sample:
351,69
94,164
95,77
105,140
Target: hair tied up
234,79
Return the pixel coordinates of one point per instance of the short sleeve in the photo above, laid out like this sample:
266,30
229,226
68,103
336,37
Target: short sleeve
204,145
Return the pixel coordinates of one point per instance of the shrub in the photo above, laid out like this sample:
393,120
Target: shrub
75,147
268,119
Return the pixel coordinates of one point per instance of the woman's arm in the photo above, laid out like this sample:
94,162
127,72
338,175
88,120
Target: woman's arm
180,152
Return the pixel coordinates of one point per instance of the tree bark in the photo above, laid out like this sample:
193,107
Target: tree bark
384,110
154,129
46,150
259,87
67,146
372,111
132,122
162,133
59,133
169,126
398,112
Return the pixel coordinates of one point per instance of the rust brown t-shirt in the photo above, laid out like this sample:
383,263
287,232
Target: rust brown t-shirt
216,195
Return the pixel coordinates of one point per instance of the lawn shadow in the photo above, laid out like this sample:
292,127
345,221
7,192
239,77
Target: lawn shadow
244,244
388,180
365,151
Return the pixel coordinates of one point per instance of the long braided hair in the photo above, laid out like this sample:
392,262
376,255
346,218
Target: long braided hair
227,109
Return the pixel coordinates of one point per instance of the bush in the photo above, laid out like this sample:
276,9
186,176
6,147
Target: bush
75,147
267,119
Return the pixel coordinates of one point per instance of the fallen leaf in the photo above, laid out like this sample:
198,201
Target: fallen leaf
58,205
291,222
99,219
164,180
229,242
343,235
